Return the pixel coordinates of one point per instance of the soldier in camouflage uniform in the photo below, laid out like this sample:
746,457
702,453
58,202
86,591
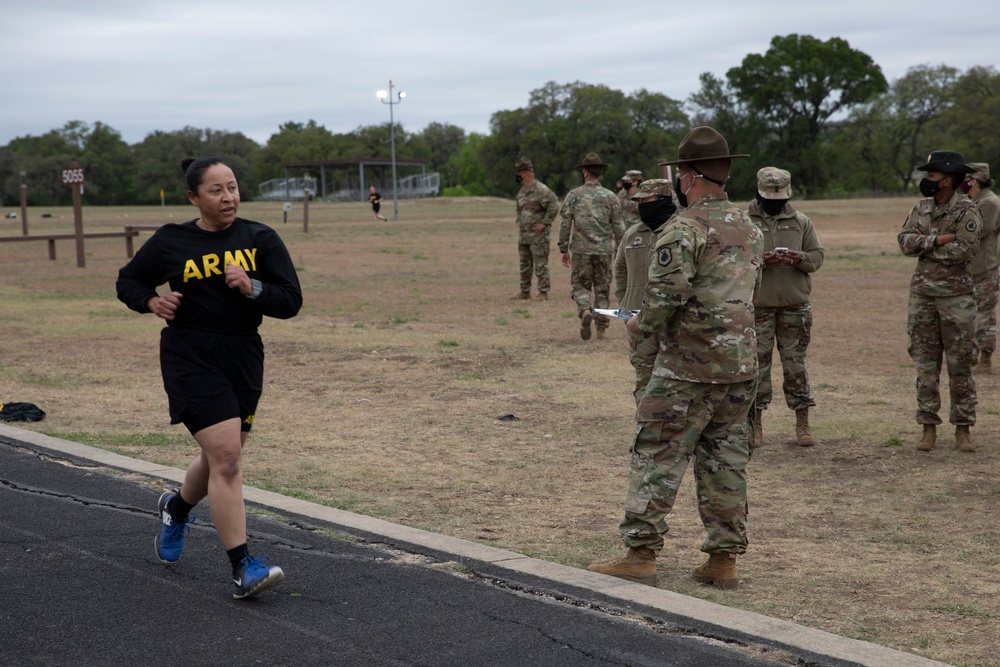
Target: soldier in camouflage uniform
943,231
592,218
537,207
783,311
985,263
630,211
699,299
655,205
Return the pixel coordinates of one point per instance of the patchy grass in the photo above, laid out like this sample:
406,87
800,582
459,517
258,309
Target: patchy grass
382,398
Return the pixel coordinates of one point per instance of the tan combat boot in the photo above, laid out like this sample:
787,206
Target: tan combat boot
543,296
638,566
756,429
803,434
928,439
521,296
963,439
585,319
985,364
719,571
601,335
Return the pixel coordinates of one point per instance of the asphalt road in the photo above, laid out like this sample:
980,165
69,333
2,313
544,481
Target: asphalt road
82,586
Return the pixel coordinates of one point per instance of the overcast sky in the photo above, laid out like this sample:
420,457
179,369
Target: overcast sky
251,65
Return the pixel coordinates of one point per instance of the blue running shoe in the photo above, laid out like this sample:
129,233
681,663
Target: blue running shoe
254,577
170,539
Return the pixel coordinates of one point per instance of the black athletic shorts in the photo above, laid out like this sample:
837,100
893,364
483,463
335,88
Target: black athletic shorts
376,207
211,376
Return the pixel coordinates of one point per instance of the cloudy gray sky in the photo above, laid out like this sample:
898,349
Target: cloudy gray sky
251,65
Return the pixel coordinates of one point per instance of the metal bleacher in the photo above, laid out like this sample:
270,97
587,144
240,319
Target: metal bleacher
286,189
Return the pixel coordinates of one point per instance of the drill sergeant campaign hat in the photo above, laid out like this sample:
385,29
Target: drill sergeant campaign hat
947,162
774,183
700,144
591,161
524,164
981,173
653,187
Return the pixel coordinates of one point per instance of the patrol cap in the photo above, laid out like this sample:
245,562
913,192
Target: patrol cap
981,173
774,183
524,164
947,162
653,187
633,175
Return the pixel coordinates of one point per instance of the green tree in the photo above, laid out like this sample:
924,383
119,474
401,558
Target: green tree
470,179
795,88
564,122
968,124
889,135
158,161
717,104
42,158
294,142
444,141
109,166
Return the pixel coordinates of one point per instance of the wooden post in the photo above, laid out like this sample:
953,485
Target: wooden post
24,204
305,206
73,177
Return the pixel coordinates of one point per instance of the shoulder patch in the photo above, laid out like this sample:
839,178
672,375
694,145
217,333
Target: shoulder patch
971,225
664,256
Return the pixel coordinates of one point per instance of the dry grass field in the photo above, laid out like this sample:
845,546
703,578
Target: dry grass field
382,397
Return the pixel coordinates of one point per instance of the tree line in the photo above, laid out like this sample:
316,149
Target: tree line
820,109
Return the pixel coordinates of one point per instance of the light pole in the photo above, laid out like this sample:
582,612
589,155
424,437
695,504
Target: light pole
386,98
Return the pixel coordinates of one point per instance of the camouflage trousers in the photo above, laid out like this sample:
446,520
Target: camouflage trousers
791,328
943,328
642,356
675,421
591,273
534,258
986,311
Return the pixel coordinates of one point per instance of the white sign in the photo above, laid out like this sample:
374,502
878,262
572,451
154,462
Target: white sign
72,175
287,208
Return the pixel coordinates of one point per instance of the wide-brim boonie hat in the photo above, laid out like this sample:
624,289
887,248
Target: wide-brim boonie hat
947,162
700,144
592,160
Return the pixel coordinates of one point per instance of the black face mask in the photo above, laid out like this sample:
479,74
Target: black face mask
682,198
771,206
626,185
518,178
929,188
654,213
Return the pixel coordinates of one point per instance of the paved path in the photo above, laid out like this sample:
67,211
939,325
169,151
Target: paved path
82,586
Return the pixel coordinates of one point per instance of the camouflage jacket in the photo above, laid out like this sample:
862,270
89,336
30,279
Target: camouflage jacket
986,259
942,270
630,209
699,294
593,216
535,204
787,284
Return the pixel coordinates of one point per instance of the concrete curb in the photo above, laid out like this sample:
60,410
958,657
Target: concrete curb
773,631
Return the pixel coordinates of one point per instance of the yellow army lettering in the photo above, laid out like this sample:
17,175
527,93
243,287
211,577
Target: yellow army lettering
212,264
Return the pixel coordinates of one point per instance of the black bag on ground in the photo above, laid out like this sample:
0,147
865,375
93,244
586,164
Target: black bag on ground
21,412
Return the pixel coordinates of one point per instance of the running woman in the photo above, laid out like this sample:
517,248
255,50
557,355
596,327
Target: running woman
224,274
